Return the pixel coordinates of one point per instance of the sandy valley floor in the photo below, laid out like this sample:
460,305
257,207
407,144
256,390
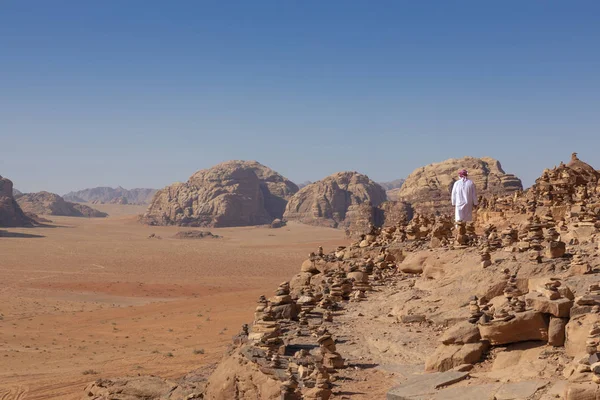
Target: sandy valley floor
90,298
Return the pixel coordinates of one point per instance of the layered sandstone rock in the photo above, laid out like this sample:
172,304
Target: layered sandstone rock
428,188
11,214
332,201
234,193
45,203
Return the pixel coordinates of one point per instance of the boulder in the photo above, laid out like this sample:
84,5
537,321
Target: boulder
461,333
446,357
525,326
576,333
45,203
428,188
237,378
556,331
330,201
582,391
233,193
559,308
285,311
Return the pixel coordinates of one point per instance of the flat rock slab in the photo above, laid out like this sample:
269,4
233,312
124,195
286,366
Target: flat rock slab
474,392
421,386
427,387
519,390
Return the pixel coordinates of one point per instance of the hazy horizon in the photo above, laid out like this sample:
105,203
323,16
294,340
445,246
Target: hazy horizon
143,94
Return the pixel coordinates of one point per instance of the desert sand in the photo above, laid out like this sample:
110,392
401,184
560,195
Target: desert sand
91,298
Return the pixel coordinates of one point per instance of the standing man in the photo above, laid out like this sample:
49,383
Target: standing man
464,197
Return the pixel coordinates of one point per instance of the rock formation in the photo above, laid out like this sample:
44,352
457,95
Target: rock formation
233,193
45,203
428,188
111,195
16,193
11,214
506,294
330,201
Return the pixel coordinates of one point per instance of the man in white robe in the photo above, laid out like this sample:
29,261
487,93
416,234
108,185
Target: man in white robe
464,197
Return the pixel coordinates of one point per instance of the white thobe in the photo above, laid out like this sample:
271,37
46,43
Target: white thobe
464,197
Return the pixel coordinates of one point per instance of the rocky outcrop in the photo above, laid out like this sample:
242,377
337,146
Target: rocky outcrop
111,195
139,387
11,214
332,201
45,203
234,193
428,188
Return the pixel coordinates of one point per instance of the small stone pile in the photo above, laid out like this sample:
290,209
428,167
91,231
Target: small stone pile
332,360
579,265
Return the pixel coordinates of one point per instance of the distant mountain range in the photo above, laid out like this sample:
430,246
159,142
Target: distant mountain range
111,195
395,184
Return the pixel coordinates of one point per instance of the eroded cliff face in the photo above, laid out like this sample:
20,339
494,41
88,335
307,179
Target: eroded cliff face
331,201
428,188
234,193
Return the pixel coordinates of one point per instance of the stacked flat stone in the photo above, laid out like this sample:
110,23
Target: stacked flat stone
511,290
509,236
517,304
486,258
474,310
320,383
289,388
332,360
579,264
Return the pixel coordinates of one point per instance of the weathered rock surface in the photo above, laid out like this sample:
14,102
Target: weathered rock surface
238,378
428,188
525,326
559,308
233,193
462,332
421,386
449,356
332,200
136,388
111,195
11,214
45,203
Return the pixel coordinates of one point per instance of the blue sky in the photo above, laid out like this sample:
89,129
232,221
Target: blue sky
144,93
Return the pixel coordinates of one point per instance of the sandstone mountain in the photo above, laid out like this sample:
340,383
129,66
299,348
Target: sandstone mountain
45,203
16,193
11,214
111,195
330,201
233,193
428,188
